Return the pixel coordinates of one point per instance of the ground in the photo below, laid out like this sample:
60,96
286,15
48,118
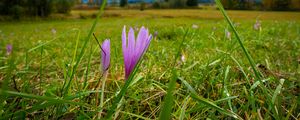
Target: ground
214,65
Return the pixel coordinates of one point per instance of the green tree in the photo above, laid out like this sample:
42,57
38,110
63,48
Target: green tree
281,5
64,6
192,3
123,3
177,3
42,8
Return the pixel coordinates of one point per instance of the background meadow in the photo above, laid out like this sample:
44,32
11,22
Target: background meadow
211,63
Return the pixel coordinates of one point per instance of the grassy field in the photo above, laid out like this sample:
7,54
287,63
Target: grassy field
213,76
192,13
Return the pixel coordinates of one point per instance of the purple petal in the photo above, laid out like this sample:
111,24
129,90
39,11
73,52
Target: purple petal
125,49
124,40
148,42
131,50
8,49
134,49
140,43
105,60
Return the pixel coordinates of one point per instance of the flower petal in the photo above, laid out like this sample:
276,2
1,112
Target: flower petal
134,49
131,49
140,43
125,50
105,60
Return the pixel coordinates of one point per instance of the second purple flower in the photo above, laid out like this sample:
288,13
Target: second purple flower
133,48
105,55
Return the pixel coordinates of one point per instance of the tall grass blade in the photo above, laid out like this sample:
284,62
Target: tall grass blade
82,51
182,113
43,98
209,103
220,6
277,91
214,106
165,113
226,92
120,95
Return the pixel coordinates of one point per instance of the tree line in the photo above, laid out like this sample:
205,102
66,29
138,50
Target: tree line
44,8
41,8
261,4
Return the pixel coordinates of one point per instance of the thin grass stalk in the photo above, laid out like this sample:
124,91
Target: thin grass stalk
102,94
220,6
165,113
118,98
251,61
65,90
41,67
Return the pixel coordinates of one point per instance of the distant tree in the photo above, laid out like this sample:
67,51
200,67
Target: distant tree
277,4
192,3
294,5
123,3
177,3
64,6
281,5
237,4
42,8
8,6
142,6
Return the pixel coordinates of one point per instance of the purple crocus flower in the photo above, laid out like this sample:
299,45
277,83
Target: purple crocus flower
105,55
8,49
257,25
133,48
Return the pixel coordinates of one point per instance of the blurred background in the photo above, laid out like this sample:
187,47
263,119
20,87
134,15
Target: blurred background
16,9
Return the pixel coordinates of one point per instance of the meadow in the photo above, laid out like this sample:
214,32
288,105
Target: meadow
195,48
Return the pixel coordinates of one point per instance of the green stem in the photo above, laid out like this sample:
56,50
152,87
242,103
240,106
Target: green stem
102,93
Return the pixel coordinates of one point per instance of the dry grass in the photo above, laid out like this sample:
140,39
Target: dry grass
193,13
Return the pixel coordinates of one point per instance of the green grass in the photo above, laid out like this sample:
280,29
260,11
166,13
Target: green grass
216,80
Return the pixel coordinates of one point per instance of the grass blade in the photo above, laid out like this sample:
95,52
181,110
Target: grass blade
182,113
225,86
82,51
209,103
121,93
214,106
44,98
277,91
165,113
220,6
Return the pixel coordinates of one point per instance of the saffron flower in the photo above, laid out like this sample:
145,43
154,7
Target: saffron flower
105,55
8,49
133,49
